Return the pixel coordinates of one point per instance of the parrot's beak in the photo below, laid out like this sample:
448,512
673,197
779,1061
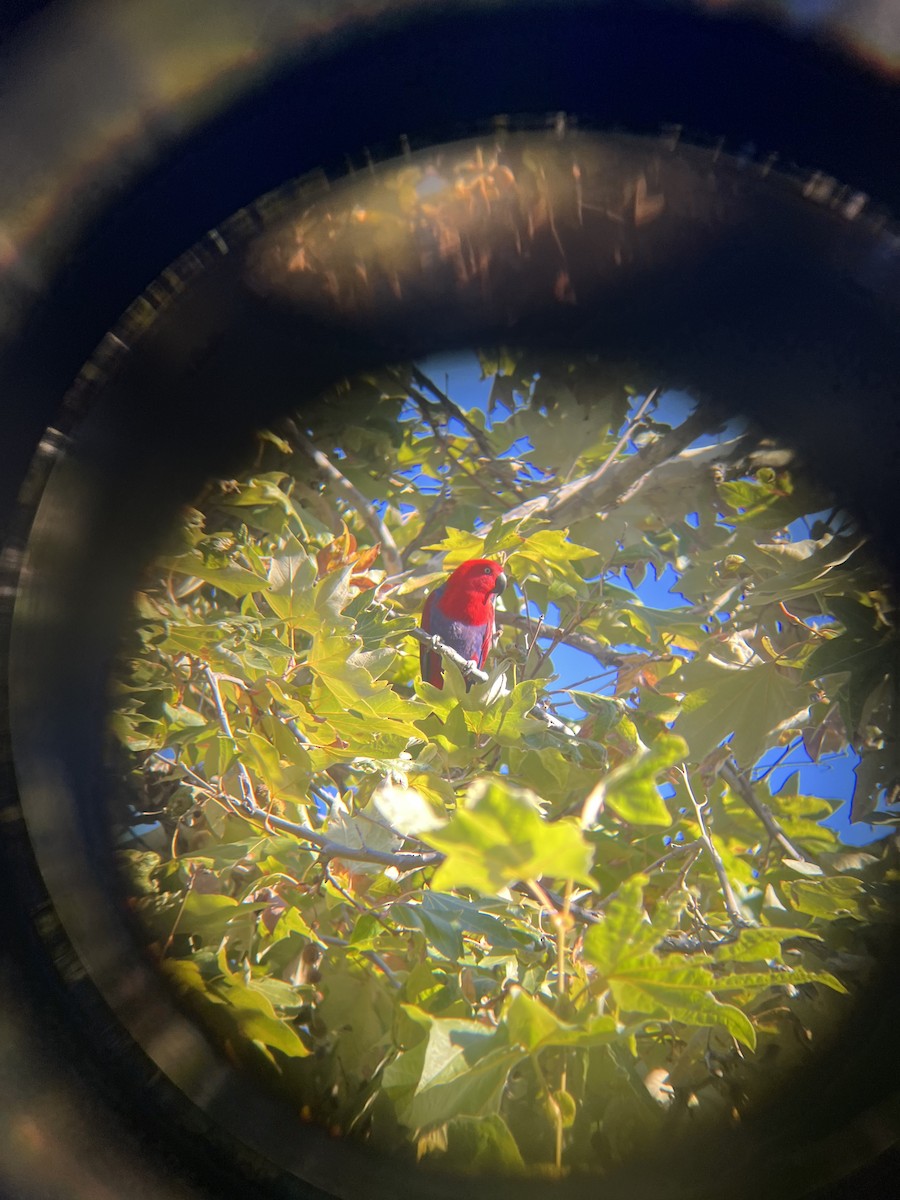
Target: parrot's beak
500,584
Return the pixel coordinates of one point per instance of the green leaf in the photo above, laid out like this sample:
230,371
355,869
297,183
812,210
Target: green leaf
534,1027
507,719
444,919
207,915
406,809
234,580
646,985
631,790
183,717
548,554
270,1031
458,1069
760,981
748,703
501,837
291,579
482,1145
624,932
762,943
826,898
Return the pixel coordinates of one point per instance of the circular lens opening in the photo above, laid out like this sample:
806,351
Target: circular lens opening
488,726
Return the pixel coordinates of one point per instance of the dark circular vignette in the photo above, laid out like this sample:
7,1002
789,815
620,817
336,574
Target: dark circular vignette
63,335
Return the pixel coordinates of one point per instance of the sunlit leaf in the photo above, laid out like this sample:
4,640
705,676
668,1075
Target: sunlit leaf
500,837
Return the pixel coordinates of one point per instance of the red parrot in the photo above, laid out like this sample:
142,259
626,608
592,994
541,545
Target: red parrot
461,613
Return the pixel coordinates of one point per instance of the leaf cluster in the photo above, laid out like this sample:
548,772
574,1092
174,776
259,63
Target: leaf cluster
433,920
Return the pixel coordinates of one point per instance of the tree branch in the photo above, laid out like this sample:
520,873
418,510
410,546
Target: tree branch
677,851
580,641
742,788
629,433
361,503
611,484
471,671
251,811
477,435
249,796
731,905
471,473
403,860
586,916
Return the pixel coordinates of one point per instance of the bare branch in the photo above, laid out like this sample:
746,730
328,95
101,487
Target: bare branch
610,485
472,474
443,505
677,851
247,792
626,437
571,637
586,916
361,503
477,435
741,787
469,669
404,861
375,959
328,849
731,904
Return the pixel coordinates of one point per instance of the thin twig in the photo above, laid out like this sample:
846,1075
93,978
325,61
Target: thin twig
795,620
569,637
247,792
741,788
403,860
471,671
444,504
360,502
187,891
731,905
469,668
444,442
626,437
371,955
603,489
535,634
454,411
542,898
570,688
676,852
793,744
357,904
586,916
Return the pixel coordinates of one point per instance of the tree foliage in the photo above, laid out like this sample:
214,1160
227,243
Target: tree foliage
530,924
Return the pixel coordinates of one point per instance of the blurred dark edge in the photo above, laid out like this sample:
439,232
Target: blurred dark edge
431,80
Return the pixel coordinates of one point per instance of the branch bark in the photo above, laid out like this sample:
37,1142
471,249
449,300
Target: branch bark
580,641
391,554
742,788
731,905
251,811
611,484
433,642
477,435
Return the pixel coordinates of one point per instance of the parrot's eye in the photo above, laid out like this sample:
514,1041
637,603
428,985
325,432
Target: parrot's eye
488,570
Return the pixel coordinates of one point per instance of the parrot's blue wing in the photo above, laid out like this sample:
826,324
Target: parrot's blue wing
471,641
428,660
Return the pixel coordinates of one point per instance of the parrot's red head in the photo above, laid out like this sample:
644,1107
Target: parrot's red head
461,613
469,592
